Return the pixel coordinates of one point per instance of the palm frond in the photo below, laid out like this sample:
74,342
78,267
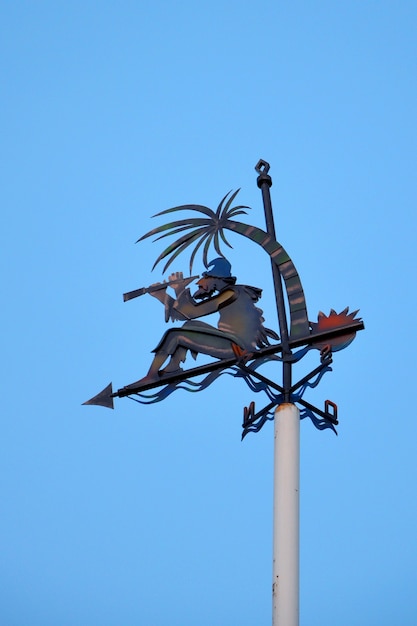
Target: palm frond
229,202
216,244
223,236
175,231
206,249
193,221
196,249
237,211
177,252
206,230
188,207
220,207
179,243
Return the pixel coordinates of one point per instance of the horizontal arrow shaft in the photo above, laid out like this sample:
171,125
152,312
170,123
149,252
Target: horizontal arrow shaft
311,339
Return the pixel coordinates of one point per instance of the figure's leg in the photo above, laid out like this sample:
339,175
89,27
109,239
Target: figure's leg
158,361
176,358
195,337
172,346
168,347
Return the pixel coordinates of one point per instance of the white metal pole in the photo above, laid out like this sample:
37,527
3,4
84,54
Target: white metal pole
285,582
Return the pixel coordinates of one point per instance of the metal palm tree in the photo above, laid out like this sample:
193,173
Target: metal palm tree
209,230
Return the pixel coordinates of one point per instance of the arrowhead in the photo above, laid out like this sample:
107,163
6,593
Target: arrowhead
104,398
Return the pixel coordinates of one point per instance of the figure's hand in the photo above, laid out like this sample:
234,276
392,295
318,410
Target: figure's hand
177,282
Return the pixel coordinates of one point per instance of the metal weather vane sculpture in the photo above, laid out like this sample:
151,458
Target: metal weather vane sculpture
240,343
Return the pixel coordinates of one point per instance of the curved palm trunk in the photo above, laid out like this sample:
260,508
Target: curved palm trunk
299,324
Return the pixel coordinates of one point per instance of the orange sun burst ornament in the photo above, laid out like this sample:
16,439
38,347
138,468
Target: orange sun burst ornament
331,322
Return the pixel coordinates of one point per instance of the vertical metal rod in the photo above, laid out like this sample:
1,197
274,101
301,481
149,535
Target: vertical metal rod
264,182
286,508
285,580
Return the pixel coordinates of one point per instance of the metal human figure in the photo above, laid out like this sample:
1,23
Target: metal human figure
240,325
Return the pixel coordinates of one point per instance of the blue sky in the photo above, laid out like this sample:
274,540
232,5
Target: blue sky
111,112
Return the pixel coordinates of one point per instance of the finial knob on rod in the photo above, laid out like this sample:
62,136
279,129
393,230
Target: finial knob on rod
262,167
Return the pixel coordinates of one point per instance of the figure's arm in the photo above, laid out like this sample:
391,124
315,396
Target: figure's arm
192,309
166,300
178,283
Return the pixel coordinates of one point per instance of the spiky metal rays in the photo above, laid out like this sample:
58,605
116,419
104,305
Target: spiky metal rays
208,230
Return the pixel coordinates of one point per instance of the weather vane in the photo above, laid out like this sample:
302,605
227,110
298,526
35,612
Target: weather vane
241,343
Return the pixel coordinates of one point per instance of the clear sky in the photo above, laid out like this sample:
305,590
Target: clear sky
160,515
